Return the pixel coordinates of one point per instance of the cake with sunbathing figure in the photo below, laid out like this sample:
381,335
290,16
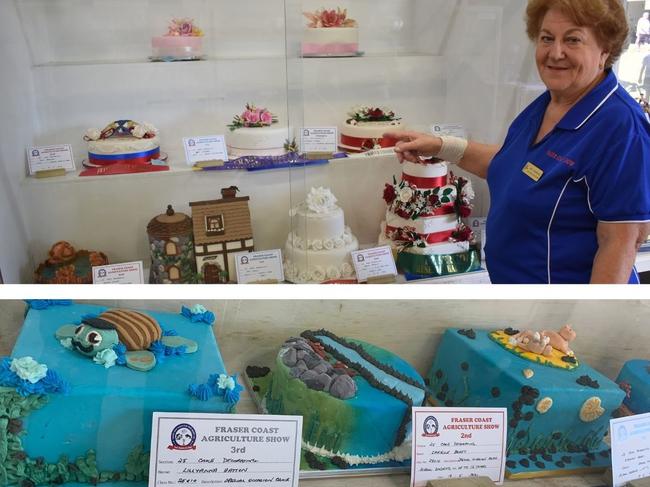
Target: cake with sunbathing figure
558,407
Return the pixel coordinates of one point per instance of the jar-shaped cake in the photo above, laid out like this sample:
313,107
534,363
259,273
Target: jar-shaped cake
172,249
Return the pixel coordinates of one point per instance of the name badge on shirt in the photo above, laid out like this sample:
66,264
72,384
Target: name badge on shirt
532,171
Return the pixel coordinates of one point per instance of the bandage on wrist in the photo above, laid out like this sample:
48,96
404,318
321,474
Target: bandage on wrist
452,149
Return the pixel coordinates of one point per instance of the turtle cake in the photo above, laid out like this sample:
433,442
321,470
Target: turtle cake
83,415
115,333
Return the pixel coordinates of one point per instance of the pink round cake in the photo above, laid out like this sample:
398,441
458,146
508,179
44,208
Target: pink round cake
183,41
330,33
177,47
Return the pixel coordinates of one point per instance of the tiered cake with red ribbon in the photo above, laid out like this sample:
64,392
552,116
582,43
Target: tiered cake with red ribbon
423,220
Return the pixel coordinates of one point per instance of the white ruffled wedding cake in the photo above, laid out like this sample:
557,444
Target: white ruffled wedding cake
319,245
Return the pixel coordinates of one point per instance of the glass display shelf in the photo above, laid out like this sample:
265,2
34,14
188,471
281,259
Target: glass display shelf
421,56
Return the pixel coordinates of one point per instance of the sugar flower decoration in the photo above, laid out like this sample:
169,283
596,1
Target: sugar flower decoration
320,200
329,18
106,357
198,309
93,134
371,114
226,382
28,369
253,117
183,27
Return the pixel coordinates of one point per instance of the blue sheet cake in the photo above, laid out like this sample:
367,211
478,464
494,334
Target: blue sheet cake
78,391
558,408
355,400
634,380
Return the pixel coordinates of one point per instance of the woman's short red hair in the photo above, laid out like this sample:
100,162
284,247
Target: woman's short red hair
606,18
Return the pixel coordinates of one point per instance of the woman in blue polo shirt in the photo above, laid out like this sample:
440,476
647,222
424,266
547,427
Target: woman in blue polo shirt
570,186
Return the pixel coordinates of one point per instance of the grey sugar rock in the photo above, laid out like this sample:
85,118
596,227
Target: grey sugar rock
315,372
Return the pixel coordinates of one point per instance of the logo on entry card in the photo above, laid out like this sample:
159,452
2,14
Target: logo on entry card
183,437
430,427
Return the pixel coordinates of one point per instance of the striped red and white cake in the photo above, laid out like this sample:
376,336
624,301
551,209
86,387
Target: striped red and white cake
425,209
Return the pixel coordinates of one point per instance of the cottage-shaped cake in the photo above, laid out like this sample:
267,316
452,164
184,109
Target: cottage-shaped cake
222,228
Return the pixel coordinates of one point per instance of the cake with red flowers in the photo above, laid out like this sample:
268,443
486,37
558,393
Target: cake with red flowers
365,127
330,33
256,132
424,220
183,41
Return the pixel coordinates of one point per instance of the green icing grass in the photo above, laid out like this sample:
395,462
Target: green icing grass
328,415
17,468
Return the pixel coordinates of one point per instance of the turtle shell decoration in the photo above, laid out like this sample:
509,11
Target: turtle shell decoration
136,331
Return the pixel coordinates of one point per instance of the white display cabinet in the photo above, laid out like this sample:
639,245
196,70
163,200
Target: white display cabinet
75,64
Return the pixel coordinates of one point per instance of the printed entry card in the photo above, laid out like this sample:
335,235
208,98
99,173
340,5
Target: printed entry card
50,157
229,449
205,148
453,443
374,262
319,139
124,273
630,437
263,267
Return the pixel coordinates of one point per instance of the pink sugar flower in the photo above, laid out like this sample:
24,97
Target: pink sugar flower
251,116
266,117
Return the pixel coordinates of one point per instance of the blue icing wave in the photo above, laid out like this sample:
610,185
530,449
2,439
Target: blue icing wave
46,303
197,314
52,383
218,385
414,393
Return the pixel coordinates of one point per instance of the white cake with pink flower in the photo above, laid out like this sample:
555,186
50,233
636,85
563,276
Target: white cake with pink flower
183,41
256,132
424,215
319,245
330,33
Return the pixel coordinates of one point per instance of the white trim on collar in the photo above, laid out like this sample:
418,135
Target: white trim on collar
598,106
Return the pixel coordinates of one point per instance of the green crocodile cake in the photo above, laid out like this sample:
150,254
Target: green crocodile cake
355,400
